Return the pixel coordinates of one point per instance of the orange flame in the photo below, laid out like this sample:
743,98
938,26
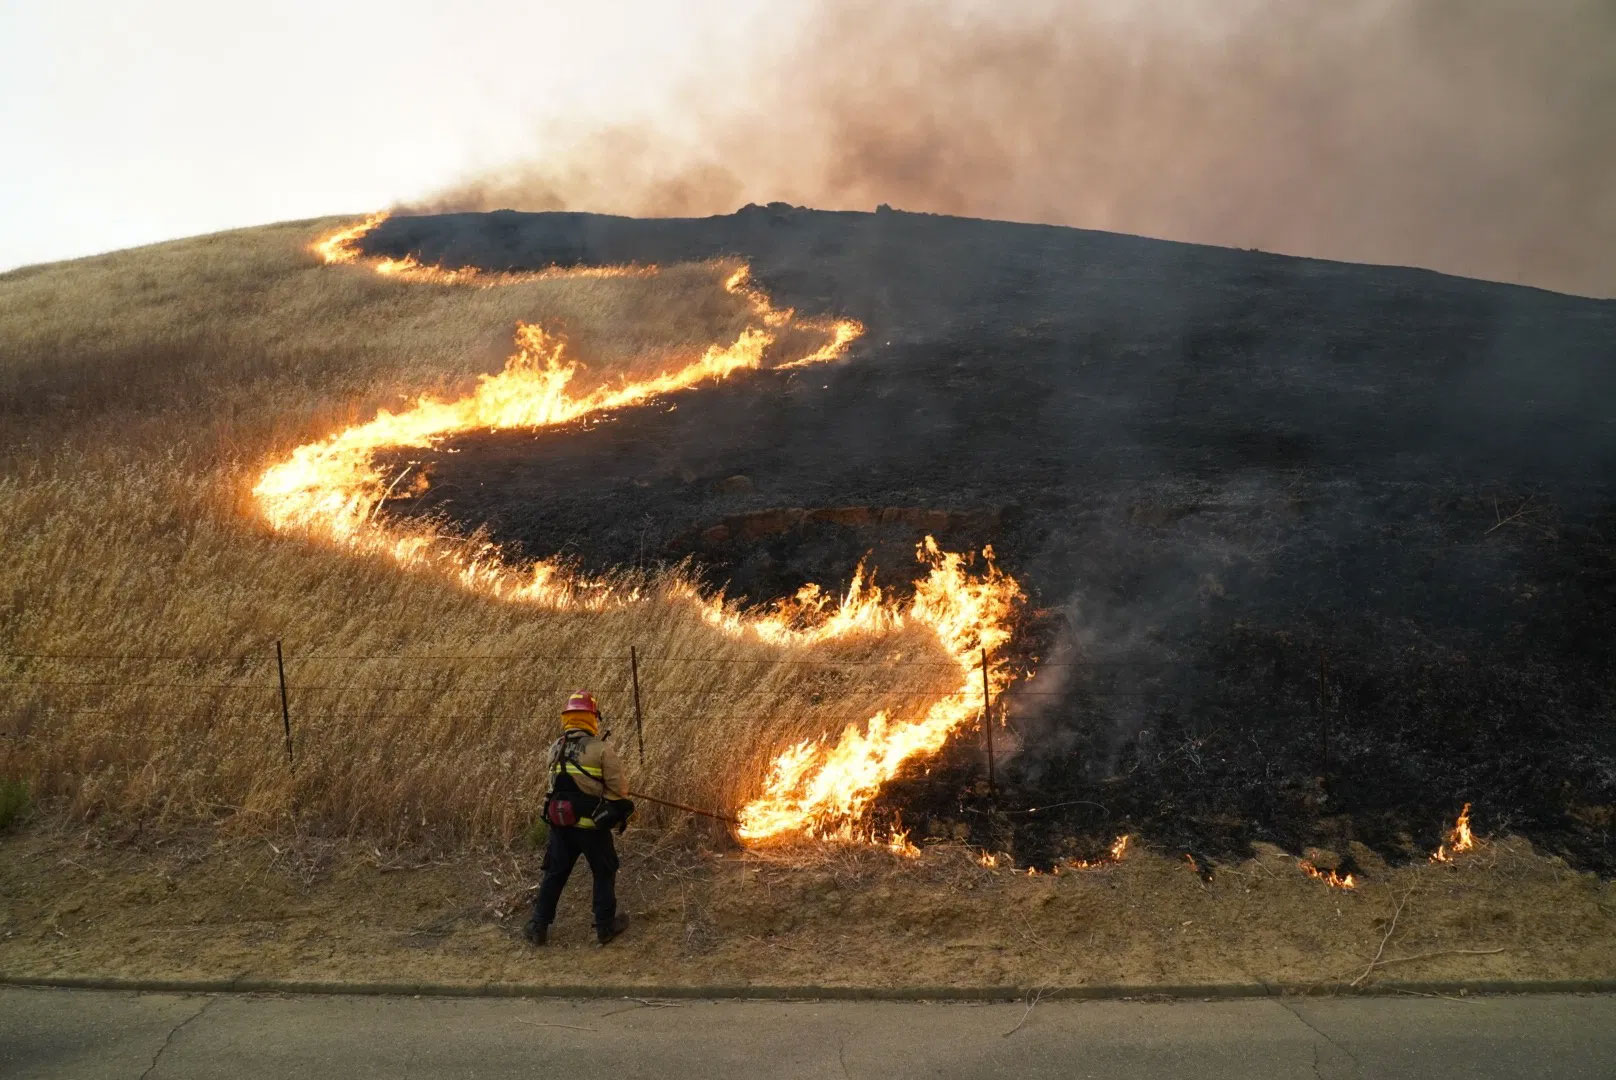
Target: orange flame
1459,839
898,843
814,786
342,246
1329,877
1119,851
333,490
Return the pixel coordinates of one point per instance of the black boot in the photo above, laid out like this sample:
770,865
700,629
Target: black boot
605,934
536,932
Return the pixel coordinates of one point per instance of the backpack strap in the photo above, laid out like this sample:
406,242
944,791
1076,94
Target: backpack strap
567,764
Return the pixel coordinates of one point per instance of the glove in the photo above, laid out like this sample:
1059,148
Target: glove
615,816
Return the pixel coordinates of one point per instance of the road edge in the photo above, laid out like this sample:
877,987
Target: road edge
720,992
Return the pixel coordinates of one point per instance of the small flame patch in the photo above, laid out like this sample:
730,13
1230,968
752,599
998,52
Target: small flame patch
1460,838
1330,877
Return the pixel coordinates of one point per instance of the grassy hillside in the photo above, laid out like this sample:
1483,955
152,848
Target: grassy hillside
144,392
1208,469
1317,553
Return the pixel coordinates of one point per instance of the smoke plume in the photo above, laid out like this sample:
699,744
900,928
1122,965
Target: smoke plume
1471,136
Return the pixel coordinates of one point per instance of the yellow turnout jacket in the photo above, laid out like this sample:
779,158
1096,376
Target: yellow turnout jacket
592,765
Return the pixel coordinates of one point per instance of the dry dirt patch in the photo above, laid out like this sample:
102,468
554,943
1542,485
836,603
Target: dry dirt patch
78,904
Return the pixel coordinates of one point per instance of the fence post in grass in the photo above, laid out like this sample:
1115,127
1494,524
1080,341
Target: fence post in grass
987,725
639,728
286,708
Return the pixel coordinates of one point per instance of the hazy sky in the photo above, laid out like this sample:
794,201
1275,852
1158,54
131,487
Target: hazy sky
1472,136
125,123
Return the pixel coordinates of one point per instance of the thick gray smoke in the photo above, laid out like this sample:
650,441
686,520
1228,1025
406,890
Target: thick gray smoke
1472,136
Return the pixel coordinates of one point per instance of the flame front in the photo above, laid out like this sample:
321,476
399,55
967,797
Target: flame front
334,486
333,489
818,787
342,246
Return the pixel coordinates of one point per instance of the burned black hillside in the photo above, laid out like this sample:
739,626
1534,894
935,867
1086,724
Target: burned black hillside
1317,552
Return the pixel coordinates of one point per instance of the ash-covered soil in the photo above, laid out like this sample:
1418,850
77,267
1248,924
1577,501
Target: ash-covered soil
1317,552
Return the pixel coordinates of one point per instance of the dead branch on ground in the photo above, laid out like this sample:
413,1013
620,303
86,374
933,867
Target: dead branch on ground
1031,1004
1381,951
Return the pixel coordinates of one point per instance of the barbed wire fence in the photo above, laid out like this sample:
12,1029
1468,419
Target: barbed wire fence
274,684
293,697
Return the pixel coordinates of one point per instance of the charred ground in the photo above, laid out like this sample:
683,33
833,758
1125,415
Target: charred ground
1317,552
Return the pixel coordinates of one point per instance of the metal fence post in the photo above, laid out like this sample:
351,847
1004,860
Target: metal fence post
639,727
987,725
286,708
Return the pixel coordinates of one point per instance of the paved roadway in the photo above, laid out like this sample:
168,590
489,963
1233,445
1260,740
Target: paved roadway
86,1034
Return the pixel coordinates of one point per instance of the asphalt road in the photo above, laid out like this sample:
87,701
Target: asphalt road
86,1034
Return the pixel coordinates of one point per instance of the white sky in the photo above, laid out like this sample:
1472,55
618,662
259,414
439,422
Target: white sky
128,123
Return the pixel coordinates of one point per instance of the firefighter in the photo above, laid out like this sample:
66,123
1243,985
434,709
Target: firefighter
588,797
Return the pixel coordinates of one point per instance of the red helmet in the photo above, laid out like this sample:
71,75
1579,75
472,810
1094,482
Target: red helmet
582,701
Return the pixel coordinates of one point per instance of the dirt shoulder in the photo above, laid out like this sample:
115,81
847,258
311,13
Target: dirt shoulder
75,905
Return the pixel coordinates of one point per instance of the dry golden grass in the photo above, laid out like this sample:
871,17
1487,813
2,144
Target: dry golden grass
324,910
144,391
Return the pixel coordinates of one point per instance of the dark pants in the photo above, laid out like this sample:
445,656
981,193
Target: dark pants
560,855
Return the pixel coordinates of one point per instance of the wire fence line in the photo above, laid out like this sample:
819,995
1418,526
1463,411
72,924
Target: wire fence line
279,703
202,658
304,691
524,689
269,657
280,677
290,690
